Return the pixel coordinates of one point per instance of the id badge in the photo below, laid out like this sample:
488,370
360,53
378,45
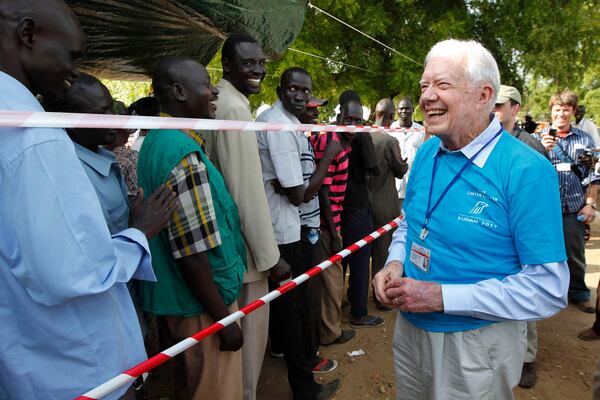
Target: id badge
420,256
563,167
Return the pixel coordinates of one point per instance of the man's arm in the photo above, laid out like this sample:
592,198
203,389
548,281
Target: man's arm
394,266
303,194
535,293
60,230
199,278
327,216
588,211
193,230
394,158
239,163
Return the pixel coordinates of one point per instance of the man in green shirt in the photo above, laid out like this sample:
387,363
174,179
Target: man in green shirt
200,259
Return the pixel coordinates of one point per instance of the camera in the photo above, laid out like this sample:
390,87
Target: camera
552,132
588,158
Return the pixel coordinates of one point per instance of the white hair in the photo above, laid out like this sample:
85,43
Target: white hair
480,65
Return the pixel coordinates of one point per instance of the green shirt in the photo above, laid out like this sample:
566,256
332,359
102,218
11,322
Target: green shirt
162,151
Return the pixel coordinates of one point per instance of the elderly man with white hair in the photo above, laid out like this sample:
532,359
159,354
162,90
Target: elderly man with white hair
468,266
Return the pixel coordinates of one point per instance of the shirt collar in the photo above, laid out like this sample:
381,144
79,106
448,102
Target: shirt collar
476,144
15,93
225,86
291,117
102,161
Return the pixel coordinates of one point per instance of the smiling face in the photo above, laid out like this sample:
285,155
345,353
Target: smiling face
452,107
561,117
247,69
48,51
294,93
200,93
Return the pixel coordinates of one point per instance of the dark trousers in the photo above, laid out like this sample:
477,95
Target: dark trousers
290,325
574,236
356,224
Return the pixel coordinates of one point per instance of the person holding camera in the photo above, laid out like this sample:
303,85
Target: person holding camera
578,188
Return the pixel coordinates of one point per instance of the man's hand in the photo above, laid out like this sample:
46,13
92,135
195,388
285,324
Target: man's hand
410,295
280,271
231,338
391,273
277,188
332,149
152,214
548,141
588,212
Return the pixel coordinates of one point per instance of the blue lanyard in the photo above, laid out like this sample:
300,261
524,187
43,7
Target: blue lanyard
430,210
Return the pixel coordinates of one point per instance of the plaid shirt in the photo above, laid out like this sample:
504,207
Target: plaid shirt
193,226
573,190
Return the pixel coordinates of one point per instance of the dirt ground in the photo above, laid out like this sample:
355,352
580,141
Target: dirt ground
565,363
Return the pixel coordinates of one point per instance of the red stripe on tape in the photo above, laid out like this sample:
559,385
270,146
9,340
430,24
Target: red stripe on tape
287,287
248,308
336,258
214,328
147,365
313,271
353,248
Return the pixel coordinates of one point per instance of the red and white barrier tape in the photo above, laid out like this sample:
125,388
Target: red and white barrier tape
27,119
131,374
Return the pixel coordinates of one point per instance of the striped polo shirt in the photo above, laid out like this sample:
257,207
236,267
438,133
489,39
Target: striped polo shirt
337,174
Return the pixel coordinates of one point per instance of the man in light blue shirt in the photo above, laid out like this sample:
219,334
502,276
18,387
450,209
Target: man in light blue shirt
467,265
68,323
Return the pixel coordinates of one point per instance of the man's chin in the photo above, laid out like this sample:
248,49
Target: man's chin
253,89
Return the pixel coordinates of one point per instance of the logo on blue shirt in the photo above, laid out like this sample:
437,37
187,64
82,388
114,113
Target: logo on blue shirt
479,207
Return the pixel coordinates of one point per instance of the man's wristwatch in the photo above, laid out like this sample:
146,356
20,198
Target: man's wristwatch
593,205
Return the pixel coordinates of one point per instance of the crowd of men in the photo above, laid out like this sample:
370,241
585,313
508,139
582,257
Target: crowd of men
104,245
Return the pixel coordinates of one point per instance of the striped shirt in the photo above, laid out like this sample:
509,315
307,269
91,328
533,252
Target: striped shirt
310,214
337,174
572,187
193,227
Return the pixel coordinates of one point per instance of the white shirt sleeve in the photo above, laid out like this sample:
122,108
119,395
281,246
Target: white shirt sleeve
397,250
537,292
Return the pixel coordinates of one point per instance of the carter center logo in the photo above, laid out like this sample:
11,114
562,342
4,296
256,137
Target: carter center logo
478,208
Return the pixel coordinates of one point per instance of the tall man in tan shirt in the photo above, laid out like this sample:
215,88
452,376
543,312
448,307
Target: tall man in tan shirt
236,155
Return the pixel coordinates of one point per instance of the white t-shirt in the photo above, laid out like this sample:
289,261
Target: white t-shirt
588,126
280,160
409,144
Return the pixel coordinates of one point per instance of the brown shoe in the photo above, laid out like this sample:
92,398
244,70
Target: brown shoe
588,335
528,375
585,306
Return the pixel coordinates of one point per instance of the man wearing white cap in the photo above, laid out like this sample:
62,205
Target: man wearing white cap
508,105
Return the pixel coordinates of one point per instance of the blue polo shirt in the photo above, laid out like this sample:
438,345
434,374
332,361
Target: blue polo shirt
487,225
103,171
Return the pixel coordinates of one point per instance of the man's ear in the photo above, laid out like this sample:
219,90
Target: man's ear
27,30
178,92
485,95
278,91
338,119
515,109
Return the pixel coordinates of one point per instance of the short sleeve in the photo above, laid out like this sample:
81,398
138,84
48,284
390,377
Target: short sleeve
283,150
193,227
